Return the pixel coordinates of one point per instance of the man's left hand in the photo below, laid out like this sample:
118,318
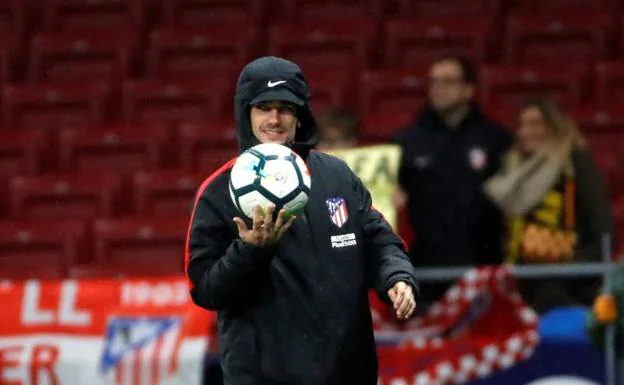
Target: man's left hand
402,297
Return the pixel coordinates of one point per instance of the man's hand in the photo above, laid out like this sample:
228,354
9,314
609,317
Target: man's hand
264,232
402,298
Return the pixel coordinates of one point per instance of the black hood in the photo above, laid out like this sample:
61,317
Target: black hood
274,79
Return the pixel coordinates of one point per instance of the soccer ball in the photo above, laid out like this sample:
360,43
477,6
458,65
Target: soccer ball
269,174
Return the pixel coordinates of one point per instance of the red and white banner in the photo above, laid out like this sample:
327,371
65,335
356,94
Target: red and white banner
132,332
481,326
147,332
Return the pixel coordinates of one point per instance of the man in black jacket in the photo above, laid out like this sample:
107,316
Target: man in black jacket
448,153
292,300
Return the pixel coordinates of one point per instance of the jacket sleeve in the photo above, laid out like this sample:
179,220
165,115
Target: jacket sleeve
386,255
222,268
592,207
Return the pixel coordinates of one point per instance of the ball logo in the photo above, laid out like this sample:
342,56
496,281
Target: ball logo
281,178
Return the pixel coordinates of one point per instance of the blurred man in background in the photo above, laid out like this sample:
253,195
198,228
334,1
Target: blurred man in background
338,129
447,153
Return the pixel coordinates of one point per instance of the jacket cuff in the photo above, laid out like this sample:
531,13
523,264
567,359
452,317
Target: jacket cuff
402,278
254,255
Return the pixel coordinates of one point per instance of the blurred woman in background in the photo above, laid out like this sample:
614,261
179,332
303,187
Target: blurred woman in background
554,199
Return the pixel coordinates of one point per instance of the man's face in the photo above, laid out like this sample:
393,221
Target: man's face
274,122
447,88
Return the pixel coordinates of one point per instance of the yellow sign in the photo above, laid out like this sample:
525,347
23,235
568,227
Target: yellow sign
377,167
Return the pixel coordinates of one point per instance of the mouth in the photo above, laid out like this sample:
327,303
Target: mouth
275,130
273,134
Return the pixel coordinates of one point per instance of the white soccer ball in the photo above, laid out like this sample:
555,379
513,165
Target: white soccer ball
269,174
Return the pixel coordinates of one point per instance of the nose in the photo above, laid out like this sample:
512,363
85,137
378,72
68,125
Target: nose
273,115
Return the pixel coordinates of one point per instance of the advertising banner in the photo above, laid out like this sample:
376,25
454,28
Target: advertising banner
131,332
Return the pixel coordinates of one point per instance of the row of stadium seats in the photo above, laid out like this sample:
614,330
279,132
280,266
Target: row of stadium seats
210,96
109,195
126,148
348,44
19,15
136,246
51,249
118,148
105,170
103,195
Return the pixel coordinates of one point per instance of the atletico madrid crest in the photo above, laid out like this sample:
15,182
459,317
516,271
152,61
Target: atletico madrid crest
141,350
338,212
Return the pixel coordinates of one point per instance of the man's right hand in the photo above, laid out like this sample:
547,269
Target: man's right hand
264,231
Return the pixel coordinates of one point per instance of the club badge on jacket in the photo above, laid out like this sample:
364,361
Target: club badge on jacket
478,158
338,212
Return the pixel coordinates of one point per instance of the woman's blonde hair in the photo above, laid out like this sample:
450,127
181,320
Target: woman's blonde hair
561,126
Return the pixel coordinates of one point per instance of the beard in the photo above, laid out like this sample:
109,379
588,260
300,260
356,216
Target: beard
450,108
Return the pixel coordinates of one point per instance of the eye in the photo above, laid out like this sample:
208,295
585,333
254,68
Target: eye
287,109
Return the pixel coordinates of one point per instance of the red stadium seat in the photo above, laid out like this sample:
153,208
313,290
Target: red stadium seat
21,152
404,228
393,90
203,12
417,42
383,126
426,9
40,249
206,147
331,89
601,118
166,193
157,246
109,15
80,55
609,82
553,6
10,59
331,44
52,105
506,86
123,149
322,10
618,216
65,196
618,211
14,17
505,115
179,99
561,36
201,49
608,152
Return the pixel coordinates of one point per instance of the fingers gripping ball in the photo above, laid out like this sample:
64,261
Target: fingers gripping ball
270,174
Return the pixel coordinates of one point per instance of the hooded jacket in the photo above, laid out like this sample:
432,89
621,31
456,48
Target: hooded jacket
296,313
